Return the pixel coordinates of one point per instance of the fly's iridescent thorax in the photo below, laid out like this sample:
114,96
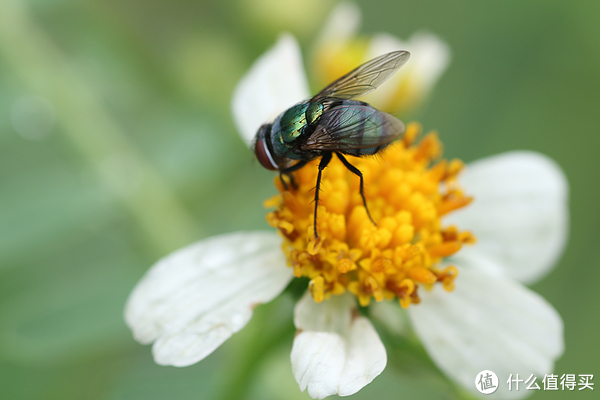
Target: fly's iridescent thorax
314,112
289,124
276,142
292,125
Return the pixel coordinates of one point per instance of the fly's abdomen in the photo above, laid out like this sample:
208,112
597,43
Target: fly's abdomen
369,126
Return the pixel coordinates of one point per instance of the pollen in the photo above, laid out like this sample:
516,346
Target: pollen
408,188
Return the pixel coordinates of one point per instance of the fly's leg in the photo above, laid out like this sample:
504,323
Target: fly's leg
288,172
324,161
357,172
284,183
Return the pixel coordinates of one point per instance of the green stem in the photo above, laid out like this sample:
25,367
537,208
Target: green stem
91,129
409,357
264,334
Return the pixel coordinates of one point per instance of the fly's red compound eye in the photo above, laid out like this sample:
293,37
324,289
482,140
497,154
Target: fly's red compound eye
262,151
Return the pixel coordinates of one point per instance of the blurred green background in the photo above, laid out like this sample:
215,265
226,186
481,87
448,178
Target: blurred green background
117,146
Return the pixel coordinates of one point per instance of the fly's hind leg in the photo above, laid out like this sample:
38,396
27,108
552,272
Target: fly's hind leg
357,172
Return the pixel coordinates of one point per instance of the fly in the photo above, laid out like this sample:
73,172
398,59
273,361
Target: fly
332,122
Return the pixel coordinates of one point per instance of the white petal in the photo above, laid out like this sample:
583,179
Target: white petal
430,56
195,298
489,324
391,315
341,25
336,351
275,82
520,213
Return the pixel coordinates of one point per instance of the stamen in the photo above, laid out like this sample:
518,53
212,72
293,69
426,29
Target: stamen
445,249
408,189
345,265
421,274
316,288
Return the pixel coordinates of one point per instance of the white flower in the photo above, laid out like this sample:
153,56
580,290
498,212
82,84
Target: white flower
194,299
339,49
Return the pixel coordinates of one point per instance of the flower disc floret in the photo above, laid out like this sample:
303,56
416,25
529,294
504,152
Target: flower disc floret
408,189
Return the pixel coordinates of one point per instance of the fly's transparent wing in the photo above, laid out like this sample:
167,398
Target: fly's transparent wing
365,78
353,127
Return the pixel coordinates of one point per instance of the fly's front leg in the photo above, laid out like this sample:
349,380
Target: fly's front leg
357,172
288,171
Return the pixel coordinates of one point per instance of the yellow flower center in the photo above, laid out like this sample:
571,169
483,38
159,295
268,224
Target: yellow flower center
408,189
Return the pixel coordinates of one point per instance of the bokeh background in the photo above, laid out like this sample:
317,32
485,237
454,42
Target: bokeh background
117,146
